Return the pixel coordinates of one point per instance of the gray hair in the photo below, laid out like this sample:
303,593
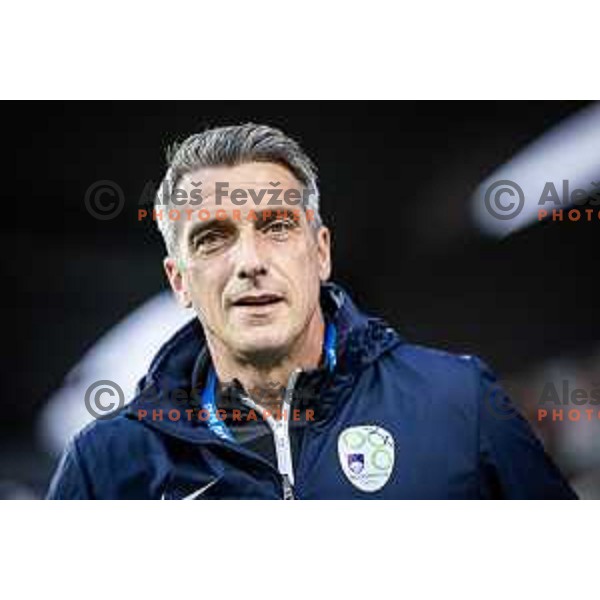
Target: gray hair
231,146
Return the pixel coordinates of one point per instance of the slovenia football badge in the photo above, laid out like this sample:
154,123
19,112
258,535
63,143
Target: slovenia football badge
366,454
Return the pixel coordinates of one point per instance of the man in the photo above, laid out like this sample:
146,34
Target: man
282,388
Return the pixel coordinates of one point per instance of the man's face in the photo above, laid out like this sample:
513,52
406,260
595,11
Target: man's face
253,283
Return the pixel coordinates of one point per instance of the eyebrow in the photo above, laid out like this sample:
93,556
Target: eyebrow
199,226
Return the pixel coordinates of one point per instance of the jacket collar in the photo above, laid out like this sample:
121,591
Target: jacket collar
361,341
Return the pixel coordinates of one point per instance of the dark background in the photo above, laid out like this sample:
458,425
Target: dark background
395,180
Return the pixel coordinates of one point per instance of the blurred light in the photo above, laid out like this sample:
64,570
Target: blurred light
123,355
570,151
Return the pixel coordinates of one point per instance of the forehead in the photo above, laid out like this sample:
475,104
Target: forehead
243,176
258,176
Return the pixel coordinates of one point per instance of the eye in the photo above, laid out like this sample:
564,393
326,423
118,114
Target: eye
209,241
280,229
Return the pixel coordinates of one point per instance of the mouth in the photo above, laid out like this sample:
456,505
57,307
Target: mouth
257,300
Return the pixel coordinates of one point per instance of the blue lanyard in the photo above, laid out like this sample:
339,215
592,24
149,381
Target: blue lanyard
217,426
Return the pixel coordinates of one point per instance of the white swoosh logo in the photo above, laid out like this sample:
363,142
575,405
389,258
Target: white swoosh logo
197,493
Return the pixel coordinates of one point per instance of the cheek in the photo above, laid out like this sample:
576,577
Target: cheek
303,273
206,287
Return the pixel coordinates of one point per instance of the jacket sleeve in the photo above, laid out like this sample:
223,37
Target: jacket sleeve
70,480
513,463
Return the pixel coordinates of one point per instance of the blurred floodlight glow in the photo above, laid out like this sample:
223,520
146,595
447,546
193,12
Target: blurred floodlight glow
570,151
122,355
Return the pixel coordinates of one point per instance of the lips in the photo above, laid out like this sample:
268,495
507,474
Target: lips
257,300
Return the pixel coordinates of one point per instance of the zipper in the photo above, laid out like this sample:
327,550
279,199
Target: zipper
288,490
281,435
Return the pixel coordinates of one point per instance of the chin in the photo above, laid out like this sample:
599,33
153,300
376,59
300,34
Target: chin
262,347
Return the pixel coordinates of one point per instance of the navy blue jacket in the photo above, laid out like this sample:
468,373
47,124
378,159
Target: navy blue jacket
453,432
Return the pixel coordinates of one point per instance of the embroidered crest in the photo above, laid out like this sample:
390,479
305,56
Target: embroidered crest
366,454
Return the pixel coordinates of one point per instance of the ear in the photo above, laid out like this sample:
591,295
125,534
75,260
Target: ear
175,270
324,252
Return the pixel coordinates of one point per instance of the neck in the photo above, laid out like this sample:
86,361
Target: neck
266,381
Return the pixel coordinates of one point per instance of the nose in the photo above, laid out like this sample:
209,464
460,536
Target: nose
249,262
